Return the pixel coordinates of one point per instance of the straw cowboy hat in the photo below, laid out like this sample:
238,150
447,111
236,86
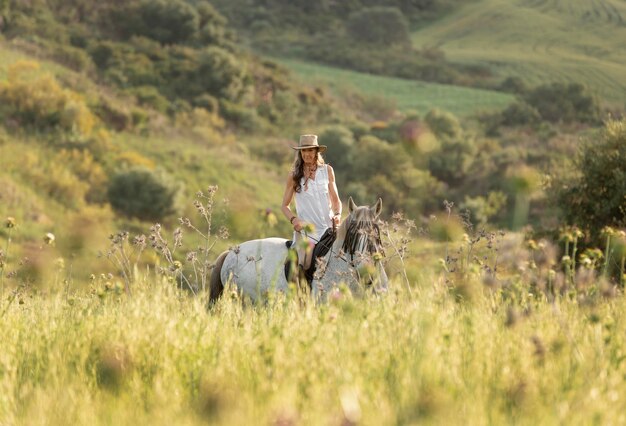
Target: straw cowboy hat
309,141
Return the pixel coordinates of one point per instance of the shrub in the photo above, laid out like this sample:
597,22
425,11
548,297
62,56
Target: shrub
341,143
443,124
520,114
40,102
166,21
144,194
379,25
150,96
452,162
243,118
597,196
72,57
568,103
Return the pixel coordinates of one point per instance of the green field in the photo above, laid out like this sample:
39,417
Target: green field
540,41
407,94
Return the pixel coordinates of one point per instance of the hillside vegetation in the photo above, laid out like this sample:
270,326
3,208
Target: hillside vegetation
539,41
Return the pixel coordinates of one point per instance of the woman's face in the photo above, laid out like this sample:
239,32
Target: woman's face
309,155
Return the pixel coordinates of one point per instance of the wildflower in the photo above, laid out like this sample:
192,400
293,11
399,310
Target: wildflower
49,238
223,233
10,222
566,260
176,266
577,233
92,277
139,241
607,231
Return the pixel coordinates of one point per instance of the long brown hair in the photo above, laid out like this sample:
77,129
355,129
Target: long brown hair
297,171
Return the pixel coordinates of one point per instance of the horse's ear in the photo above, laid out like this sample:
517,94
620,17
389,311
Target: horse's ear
378,207
351,205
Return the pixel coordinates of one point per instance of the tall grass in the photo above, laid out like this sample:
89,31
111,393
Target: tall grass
161,358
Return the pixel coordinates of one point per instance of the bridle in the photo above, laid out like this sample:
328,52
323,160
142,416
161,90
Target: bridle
369,246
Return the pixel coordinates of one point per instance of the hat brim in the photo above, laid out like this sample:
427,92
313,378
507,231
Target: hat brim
322,148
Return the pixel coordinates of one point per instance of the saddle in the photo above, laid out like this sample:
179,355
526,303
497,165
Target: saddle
320,250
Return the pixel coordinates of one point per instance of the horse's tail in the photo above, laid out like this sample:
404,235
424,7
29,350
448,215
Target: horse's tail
216,286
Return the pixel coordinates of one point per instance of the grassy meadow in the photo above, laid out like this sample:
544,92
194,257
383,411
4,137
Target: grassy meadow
540,41
407,95
425,358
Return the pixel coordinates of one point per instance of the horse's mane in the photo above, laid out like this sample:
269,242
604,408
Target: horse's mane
361,222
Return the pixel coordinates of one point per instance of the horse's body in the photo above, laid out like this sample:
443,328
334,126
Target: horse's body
257,267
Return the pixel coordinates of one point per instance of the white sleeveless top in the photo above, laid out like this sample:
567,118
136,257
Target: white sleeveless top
313,204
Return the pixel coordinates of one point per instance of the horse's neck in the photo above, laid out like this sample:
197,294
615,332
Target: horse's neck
341,237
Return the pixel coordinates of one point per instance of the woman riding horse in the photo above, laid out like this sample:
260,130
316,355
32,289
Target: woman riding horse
256,267
312,184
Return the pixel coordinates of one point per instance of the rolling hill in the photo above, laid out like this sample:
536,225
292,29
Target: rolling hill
407,94
540,41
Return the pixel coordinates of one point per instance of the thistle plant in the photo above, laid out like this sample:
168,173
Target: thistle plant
397,238
199,259
477,256
125,255
192,270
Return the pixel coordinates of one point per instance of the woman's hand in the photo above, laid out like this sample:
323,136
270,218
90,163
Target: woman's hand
336,220
297,224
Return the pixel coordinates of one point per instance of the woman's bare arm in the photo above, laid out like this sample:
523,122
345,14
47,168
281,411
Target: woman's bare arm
335,201
287,199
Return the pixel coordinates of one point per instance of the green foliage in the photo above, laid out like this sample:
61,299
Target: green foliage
482,209
597,196
514,84
520,114
384,26
245,119
340,155
144,194
567,103
443,124
73,58
167,22
452,160
150,96
219,73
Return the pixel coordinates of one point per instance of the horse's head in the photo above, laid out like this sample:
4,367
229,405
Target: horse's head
361,243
